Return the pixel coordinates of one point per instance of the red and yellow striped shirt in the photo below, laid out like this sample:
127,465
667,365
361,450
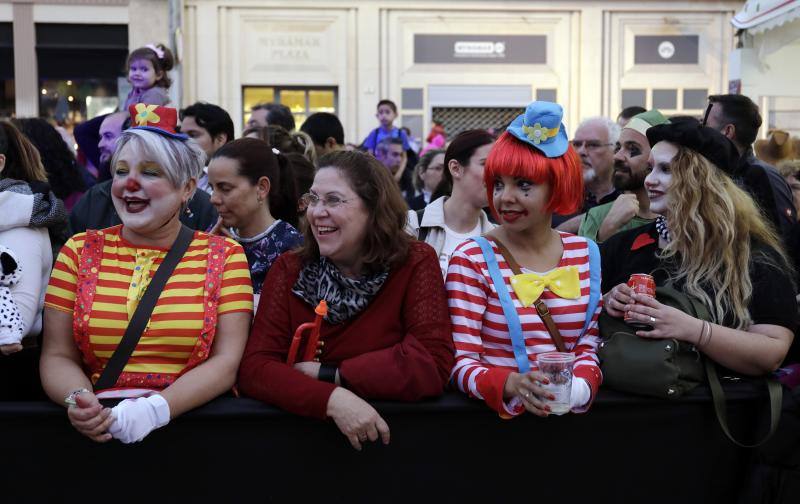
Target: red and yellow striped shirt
178,334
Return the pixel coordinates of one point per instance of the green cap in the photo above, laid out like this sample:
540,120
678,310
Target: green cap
644,121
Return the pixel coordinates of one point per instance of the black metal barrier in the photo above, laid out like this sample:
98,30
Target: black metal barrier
626,449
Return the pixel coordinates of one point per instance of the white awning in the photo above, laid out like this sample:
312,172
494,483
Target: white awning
758,16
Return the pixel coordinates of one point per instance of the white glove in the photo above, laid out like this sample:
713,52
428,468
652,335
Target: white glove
580,393
136,418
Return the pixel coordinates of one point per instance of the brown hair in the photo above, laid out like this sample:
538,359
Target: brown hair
461,149
285,141
162,65
22,159
256,160
386,244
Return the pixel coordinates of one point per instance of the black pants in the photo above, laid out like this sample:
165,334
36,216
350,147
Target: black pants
775,475
19,376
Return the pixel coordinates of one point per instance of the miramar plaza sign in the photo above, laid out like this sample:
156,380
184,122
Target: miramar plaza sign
472,49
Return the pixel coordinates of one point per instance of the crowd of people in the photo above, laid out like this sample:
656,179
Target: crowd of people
171,262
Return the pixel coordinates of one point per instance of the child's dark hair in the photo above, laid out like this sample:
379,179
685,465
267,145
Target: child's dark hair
162,65
388,103
256,159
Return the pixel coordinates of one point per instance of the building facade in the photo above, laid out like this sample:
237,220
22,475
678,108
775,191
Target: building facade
467,63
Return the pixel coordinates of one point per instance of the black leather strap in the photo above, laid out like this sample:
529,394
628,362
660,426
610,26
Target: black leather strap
327,373
143,311
720,408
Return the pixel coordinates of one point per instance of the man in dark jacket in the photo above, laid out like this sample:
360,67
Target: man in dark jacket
95,209
738,118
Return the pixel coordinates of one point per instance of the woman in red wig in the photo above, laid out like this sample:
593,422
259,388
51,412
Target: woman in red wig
499,284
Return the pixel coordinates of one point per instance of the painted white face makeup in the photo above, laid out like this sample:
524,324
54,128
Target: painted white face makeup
659,180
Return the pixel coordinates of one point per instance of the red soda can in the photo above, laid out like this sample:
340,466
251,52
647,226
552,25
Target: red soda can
644,285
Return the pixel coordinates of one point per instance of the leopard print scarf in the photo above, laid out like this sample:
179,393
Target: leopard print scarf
346,297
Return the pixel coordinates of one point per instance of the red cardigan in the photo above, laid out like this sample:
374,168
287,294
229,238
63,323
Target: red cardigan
399,348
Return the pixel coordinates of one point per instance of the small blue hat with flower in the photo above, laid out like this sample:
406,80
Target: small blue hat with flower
541,127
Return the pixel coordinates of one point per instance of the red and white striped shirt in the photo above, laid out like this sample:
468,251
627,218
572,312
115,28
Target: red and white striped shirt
484,354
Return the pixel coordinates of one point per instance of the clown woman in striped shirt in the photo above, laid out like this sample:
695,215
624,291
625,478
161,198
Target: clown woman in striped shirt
531,172
191,346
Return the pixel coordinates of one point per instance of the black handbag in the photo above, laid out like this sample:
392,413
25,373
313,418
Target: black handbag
664,368
668,368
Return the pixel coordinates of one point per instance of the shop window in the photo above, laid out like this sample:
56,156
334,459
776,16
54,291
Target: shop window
80,68
665,99
549,95
458,119
412,98
695,99
634,97
414,124
7,98
301,101
784,114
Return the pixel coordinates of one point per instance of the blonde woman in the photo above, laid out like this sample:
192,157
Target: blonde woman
712,243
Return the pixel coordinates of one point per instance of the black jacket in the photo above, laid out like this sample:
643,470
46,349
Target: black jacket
95,210
769,189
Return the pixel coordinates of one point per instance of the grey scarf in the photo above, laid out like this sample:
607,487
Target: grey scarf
48,211
346,297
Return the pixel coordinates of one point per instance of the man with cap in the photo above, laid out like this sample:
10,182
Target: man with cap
738,118
632,208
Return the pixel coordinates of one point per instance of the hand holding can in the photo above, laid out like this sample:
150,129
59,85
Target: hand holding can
644,285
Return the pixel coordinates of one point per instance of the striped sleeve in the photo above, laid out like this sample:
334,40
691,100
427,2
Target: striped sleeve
236,293
587,364
60,293
467,297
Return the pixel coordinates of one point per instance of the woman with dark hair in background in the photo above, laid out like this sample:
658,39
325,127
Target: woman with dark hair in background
451,219
66,176
386,334
254,193
427,177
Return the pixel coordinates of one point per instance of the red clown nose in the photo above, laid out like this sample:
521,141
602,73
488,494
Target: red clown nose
131,185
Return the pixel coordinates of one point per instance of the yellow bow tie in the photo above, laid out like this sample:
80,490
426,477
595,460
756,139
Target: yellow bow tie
563,282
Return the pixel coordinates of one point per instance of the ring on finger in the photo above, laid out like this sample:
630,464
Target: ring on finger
652,320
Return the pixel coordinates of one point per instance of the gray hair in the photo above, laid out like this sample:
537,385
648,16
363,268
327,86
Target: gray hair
180,160
611,127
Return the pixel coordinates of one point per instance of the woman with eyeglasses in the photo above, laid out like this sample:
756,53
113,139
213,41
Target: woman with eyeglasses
386,334
254,194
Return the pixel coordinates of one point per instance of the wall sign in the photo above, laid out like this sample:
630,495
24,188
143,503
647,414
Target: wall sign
666,50
480,49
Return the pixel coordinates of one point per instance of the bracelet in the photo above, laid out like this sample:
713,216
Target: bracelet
327,373
70,399
705,334
702,333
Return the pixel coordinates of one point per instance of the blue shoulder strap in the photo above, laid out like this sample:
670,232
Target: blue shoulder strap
594,283
509,310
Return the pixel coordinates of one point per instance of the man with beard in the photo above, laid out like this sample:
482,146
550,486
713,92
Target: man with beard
738,118
632,208
110,129
594,142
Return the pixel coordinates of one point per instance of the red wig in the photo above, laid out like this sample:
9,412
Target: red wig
515,158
